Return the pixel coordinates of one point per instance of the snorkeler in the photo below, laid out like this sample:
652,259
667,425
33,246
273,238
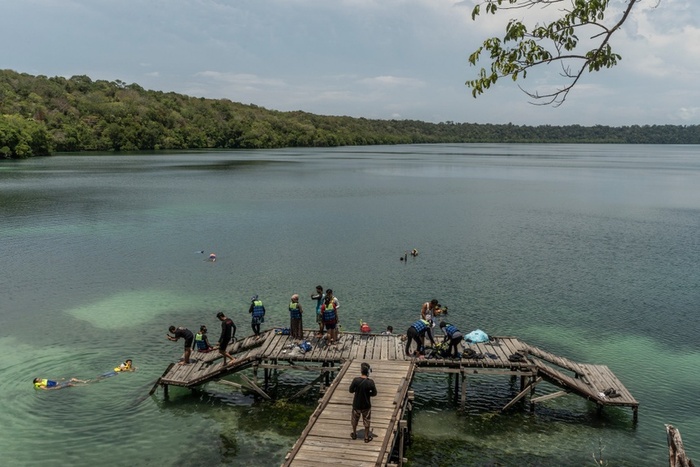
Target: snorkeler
40,383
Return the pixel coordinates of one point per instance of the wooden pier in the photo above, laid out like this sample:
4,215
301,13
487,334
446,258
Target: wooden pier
393,373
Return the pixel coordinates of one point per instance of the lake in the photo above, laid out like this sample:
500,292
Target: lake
588,251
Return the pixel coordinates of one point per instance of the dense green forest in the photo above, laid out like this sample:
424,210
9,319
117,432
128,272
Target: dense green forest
40,115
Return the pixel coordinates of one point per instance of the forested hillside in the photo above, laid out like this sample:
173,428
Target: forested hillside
40,115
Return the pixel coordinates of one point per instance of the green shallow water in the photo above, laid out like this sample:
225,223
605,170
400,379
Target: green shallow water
587,251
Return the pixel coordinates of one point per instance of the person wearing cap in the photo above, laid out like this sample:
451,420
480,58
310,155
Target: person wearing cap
257,311
295,311
228,332
364,389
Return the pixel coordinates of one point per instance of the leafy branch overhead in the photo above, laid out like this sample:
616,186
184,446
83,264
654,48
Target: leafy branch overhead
578,40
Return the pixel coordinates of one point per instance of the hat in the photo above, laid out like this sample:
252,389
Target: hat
253,298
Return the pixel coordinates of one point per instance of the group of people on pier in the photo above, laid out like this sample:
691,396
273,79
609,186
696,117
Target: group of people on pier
326,318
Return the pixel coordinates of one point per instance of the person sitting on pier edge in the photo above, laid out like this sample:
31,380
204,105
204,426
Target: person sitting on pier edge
364,389
257,310
329,311
416,332
318,296
185,334
40,383
296,328
389,331
228,332
201,341
454,336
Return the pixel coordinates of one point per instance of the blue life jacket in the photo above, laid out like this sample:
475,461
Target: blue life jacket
421,326
258,309
450,330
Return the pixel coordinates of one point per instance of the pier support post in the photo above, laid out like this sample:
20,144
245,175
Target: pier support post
463,400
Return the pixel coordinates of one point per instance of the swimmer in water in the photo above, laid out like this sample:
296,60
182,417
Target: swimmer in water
40,383
212,257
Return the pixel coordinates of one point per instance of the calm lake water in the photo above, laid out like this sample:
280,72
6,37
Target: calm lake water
588,251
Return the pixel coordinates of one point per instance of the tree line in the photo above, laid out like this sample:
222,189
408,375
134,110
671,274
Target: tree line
40,116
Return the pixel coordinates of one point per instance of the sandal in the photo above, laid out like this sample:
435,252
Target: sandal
353,435
367,440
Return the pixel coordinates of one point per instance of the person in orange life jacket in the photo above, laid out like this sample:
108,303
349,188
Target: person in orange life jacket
228,332
364,389
453,335
296,329
257,311
416,332
185,334
329,311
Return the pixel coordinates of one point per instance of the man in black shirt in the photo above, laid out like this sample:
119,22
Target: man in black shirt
185,334
363,388
228,330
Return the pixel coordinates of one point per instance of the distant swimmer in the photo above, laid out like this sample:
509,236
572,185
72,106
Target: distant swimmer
414,252
40,383
212,257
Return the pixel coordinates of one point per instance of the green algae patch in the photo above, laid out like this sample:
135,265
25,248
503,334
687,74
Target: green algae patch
130,309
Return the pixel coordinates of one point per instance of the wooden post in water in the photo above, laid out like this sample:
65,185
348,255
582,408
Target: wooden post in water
463,401
676,451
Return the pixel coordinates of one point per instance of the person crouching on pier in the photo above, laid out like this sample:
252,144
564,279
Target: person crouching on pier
417,333
364,389
454,336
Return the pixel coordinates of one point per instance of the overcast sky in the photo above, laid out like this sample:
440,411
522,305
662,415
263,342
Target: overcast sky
363,58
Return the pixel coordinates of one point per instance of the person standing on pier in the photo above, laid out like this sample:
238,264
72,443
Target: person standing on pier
428,312
318,296
329,311
364,389
185,334
416,332
228,331
257,310
296,329
454,336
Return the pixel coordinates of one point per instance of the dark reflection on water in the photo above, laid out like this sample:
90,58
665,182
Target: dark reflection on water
590,252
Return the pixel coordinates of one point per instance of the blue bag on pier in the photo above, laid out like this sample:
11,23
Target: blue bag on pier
476,336
305,346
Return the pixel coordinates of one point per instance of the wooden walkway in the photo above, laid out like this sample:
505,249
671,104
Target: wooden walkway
329,428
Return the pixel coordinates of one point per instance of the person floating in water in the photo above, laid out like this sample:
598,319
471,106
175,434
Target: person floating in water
40,383
126,366
414,252
212,257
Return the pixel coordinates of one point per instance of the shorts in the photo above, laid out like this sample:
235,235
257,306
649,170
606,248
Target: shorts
330,326
222,346
188,342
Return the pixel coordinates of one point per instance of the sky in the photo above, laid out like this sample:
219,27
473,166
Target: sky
377,59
